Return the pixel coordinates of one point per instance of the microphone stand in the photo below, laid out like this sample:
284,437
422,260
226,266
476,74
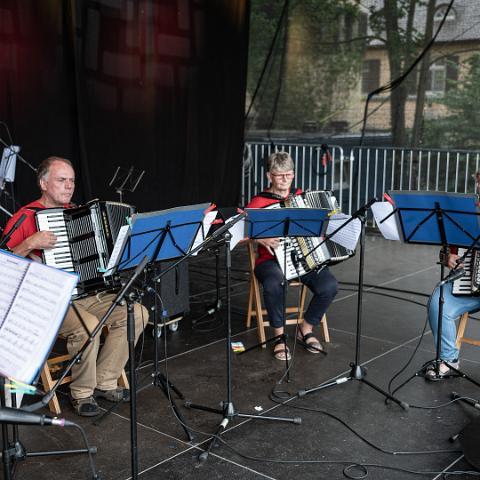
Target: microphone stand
14,450
16,225
357,371
122,294
454,274
228,410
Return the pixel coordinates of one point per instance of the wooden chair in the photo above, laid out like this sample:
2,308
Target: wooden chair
255,308
462,325
53,365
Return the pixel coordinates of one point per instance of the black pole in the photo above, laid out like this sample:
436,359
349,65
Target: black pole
228,329
357,370
5,441
133,386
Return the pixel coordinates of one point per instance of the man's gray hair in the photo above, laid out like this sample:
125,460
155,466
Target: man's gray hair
281,161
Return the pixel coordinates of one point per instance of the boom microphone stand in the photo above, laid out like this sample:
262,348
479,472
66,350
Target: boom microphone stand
357,371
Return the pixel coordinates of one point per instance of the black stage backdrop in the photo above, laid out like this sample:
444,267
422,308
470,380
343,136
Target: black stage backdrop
154,84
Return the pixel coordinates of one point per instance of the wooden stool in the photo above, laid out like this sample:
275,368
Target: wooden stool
53,364
255,308
462,325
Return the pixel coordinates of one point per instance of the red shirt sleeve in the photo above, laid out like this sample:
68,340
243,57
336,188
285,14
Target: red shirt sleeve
25,230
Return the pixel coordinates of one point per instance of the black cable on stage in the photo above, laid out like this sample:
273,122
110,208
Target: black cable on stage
364,439
349,464
409,361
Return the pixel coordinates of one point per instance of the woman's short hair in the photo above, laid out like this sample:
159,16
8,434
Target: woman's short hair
281,161
44,168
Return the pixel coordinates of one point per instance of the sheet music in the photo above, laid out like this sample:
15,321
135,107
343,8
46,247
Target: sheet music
203,230
347,236
237,232
388,228
33,301
117,249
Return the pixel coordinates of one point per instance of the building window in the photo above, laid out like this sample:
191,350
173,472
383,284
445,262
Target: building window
370,75
437,78
440,75
440,13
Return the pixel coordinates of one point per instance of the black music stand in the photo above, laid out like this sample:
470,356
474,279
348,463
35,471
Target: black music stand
357,371
285,222
159,236
27,366
228,410
438,218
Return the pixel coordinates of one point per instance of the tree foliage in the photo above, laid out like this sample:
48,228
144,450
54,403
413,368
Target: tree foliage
392,22
316,60
461,127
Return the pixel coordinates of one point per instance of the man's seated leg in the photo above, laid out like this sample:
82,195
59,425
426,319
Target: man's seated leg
114,353
84,373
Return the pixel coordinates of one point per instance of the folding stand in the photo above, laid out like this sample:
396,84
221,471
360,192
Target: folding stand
357,372
21,282
228,410
436,218
284,222
156,236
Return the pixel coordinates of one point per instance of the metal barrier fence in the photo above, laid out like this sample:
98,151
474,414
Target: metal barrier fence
362,173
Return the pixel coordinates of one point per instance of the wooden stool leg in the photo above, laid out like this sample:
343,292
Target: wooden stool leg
462,325
326,335
48,382
301,305
250,305
123,380
259,313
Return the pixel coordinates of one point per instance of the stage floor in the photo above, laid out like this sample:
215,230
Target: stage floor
348,423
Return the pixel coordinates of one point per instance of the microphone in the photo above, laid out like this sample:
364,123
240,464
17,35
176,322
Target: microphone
16,225
20,417
455,274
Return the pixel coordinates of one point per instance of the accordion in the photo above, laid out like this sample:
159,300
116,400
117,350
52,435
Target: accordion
306,254
86,236
469,284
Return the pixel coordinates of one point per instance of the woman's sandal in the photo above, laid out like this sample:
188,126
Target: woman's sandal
312,347
282,353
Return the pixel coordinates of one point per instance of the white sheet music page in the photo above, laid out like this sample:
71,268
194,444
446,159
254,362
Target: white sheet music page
33,301
204,229
117,249
389,227
237,232
348,235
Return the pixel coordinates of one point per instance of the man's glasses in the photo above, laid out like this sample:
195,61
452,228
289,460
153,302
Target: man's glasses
286,176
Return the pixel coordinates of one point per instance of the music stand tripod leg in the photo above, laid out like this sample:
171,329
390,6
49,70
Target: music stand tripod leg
228,410
358,372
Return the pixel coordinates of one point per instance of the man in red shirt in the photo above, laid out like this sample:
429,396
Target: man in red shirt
97,373
280,173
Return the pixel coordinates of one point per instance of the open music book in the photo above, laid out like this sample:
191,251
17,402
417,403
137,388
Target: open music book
33,301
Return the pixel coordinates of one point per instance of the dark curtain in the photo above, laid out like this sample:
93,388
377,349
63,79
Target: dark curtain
158,85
